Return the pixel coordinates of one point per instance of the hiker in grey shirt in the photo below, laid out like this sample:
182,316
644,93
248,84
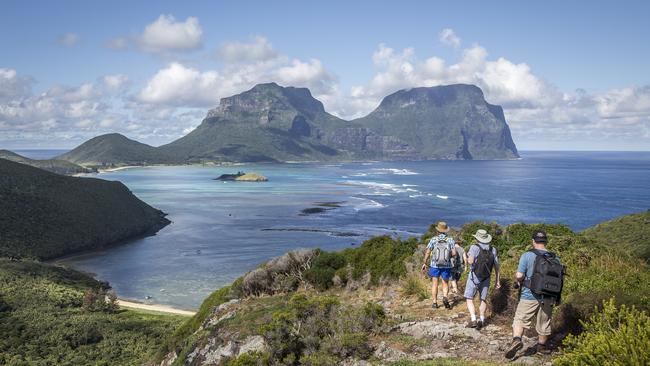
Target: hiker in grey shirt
481,257
458,261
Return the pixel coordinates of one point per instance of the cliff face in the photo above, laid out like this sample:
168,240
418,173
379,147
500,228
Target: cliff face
44,215
274,123
444,122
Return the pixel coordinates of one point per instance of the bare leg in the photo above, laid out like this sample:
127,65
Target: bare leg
518,331
454,287
542,339
434,289
482,308
445,288
471,308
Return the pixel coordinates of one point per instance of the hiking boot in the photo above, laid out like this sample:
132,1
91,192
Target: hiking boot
516,345
543,349
471,324
446,303
435,305
479,325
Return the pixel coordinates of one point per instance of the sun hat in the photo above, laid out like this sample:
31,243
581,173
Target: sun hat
540,236
482,236
442,227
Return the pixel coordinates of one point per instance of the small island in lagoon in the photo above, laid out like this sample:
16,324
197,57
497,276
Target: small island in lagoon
242,177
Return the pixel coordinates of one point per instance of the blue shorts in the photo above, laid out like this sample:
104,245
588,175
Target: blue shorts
445,273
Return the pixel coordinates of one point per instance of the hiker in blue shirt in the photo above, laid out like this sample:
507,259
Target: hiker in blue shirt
533,304
482,258
440,249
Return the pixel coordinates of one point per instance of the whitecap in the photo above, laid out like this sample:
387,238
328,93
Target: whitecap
395,171
366,204
442,197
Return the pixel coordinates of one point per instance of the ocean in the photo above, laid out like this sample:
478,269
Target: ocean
220,230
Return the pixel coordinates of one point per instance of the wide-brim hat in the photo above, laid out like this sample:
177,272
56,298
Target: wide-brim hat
482,236
442,227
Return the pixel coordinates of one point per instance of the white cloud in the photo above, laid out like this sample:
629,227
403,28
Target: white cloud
68,39
311,74
258,50
13,86
449,37
119,43
115,81
181,86
167,34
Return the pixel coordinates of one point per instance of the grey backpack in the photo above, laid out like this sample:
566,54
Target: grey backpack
441,253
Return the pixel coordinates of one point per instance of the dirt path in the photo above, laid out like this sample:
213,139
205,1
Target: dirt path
154,307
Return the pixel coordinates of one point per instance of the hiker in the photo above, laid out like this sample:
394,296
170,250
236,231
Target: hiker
458,267
481,257
440,249
539,277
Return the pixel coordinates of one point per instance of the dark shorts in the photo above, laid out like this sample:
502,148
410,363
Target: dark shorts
445,273
455,275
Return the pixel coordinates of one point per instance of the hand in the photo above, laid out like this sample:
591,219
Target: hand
498,285
424,267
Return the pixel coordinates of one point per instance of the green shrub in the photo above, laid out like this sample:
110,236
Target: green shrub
382,257
318,330
614,336
414,285
323,268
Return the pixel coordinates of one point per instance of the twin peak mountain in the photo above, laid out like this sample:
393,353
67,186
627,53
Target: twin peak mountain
271,123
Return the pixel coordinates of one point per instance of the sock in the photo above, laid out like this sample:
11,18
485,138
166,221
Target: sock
516,339
473,317
482,318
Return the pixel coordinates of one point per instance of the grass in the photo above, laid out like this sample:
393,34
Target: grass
631,232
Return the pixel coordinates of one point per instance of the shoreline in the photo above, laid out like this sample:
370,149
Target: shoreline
132,304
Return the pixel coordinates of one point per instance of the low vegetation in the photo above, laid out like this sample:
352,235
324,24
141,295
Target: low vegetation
630,232
614,336
45,215
57,316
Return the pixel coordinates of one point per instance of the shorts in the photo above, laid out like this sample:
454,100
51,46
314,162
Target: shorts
445,273
472,288
455,275
527,309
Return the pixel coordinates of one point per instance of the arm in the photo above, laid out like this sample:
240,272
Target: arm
426,258
497,272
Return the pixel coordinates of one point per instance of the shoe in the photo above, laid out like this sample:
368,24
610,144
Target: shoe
543,349
435,305
471,324
479,325
446,303
517,344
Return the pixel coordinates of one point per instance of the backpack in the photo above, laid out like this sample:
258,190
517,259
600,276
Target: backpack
483,263
441,254
458,261
548,275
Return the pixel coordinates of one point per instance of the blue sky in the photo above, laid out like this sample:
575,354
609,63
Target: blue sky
575,73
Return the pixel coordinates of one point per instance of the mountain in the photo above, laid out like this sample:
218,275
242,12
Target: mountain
115,149
45,215
53,165
444,122
272,123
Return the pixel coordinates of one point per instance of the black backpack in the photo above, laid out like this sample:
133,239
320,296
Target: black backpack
548,275
483,263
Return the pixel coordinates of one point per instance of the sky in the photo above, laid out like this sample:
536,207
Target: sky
570,75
